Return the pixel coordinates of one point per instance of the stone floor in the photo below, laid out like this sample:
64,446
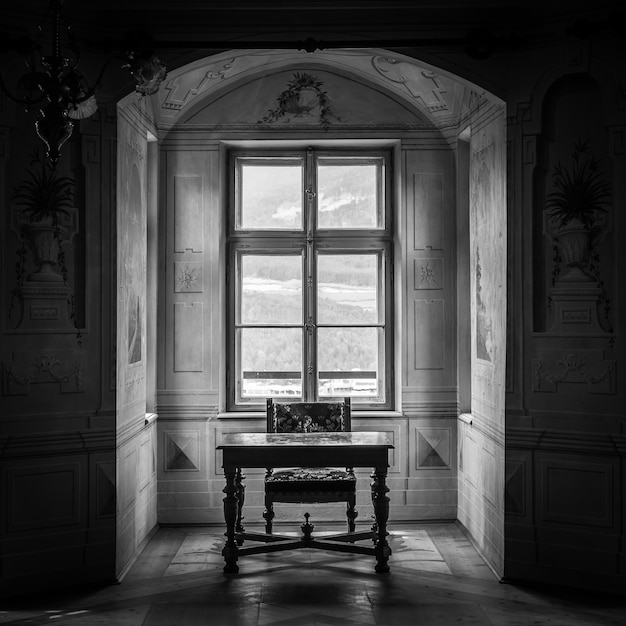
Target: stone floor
436,578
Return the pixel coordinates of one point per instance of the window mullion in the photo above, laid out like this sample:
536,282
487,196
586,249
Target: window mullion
309,281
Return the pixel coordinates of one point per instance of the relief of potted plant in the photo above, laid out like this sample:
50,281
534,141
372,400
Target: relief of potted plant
45,201
46,221
574,209
303,94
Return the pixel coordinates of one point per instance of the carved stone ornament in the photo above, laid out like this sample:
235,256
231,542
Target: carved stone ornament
303,95
189,277
423,85
29,368
584,367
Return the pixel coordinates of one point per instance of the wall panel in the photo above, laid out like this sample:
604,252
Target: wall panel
135,475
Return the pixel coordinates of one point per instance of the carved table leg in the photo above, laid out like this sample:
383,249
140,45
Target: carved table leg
352,513
230,550
268,514
380,500
241,495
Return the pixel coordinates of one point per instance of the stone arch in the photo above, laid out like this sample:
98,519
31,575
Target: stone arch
443,106
437,95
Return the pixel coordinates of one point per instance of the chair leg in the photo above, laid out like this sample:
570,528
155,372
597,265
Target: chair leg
268,514
374,531
352,513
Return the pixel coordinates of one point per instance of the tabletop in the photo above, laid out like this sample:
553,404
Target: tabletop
320,439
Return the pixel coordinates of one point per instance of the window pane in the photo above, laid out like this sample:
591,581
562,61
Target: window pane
271,197
348,361
347,288
271,362
271,289
348,195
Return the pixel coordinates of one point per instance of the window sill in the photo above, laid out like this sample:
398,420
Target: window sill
241,415
369,414
467,418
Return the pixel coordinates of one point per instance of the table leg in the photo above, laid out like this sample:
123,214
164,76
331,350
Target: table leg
231,501
241,496
380,500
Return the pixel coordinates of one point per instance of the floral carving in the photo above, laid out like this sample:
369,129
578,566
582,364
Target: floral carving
427,274
43,368
187,277
574,368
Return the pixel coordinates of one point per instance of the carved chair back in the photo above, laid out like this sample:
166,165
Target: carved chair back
308,417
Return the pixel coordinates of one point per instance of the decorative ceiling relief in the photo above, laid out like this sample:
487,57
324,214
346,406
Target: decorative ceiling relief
423,85
367,88
304,96
181,90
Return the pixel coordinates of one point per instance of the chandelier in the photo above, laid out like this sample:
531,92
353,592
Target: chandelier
55,86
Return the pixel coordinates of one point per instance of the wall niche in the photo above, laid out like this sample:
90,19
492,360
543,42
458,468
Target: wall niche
572,295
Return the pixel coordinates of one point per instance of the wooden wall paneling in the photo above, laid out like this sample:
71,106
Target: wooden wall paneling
127,478
188,213
183,484
188,337
429,334
44,518
577,491
432,473
577,524
46,494
429,302
518,486
189,292
429,210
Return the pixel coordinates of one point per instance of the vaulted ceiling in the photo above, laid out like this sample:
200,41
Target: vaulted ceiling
173,23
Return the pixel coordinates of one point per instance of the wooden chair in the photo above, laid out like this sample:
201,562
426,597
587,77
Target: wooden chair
302,485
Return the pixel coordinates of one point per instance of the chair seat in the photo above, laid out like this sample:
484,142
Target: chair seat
317,478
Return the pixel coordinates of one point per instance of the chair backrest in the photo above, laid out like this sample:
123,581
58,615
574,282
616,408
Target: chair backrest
308,417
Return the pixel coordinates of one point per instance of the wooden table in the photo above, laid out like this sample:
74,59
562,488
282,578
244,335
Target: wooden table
351,449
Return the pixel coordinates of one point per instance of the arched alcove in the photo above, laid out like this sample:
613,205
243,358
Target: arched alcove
441,468
572,116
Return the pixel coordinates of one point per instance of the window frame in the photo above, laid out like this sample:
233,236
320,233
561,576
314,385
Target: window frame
310,241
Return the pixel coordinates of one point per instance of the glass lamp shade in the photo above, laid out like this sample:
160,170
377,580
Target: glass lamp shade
83,109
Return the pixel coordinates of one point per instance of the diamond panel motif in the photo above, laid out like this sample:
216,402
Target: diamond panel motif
514,501
181,451
105,481
433,447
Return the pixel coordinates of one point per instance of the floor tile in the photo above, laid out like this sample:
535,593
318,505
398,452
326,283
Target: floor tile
436,579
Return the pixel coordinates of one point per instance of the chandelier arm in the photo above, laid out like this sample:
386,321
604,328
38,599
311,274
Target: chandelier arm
28,102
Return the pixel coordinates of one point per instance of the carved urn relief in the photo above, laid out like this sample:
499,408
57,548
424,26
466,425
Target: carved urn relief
574,242
45,220
575,222
303,102
43,240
